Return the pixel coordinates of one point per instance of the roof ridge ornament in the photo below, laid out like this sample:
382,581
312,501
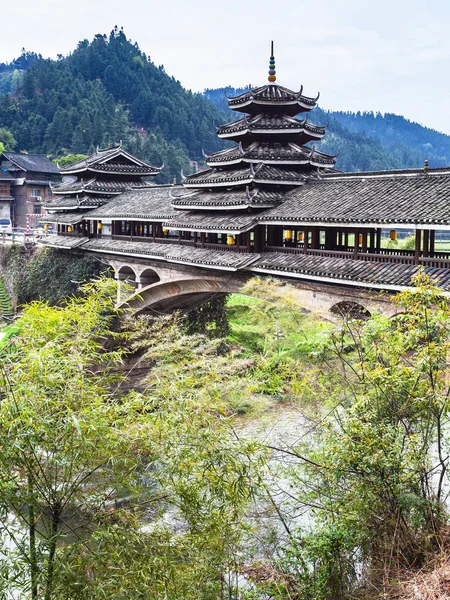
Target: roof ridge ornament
300,92
272,71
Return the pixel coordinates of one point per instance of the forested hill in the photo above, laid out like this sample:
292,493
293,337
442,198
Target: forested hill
366,140
105,91
108,90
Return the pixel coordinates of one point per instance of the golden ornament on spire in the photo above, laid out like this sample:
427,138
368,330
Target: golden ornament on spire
272,73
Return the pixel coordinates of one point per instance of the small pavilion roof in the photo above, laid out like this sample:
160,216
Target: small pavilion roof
112,160
272,97
401,199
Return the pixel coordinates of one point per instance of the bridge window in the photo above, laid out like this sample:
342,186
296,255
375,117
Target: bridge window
127,274
149,276
350,310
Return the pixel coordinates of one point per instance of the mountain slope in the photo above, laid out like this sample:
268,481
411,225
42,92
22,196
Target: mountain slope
108,90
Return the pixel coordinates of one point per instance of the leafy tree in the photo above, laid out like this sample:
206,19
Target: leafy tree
84,466
374,469
7,140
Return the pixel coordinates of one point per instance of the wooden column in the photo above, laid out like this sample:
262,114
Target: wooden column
364,242
417,246
426,242
378,242
315,238
356,245
346,240
432,239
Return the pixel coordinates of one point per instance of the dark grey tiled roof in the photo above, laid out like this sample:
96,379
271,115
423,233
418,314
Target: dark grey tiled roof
271,122
6,176
232,199
407,198
145,203
217,221
94,185
379,275
273,94
100,160
66,218
37,163
259,173
82,201
230,261
270,153
62,241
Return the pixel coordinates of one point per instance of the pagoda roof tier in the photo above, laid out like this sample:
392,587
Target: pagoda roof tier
273,98
112,160
283,126
272,154
82,201
220,222
259,173
228,199
96,186
147,204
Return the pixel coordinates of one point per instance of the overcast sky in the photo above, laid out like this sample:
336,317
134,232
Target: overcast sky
391,56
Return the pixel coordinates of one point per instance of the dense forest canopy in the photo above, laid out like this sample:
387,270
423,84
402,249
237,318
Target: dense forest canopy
108,90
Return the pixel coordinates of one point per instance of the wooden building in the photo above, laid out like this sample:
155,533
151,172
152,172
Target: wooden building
31,177
273,204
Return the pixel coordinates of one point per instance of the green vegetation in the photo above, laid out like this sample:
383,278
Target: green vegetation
45,273
84,467
168,492
105,92
5,303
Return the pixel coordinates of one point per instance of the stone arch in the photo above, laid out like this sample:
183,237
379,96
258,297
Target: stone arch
149,277
347,309
184,293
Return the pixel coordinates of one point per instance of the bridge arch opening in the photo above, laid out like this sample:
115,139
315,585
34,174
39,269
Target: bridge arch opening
347,309
127,274
149,276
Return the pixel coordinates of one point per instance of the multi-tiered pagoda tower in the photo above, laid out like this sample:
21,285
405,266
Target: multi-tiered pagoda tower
271,156
91,183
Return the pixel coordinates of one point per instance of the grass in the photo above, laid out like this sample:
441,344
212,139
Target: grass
267,328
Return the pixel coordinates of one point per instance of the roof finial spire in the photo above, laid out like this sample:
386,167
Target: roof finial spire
272,73
425,164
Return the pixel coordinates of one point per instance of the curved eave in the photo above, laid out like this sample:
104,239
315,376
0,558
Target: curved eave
246,181
274,161
87,191
142,173
230,207
306,104
313,135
